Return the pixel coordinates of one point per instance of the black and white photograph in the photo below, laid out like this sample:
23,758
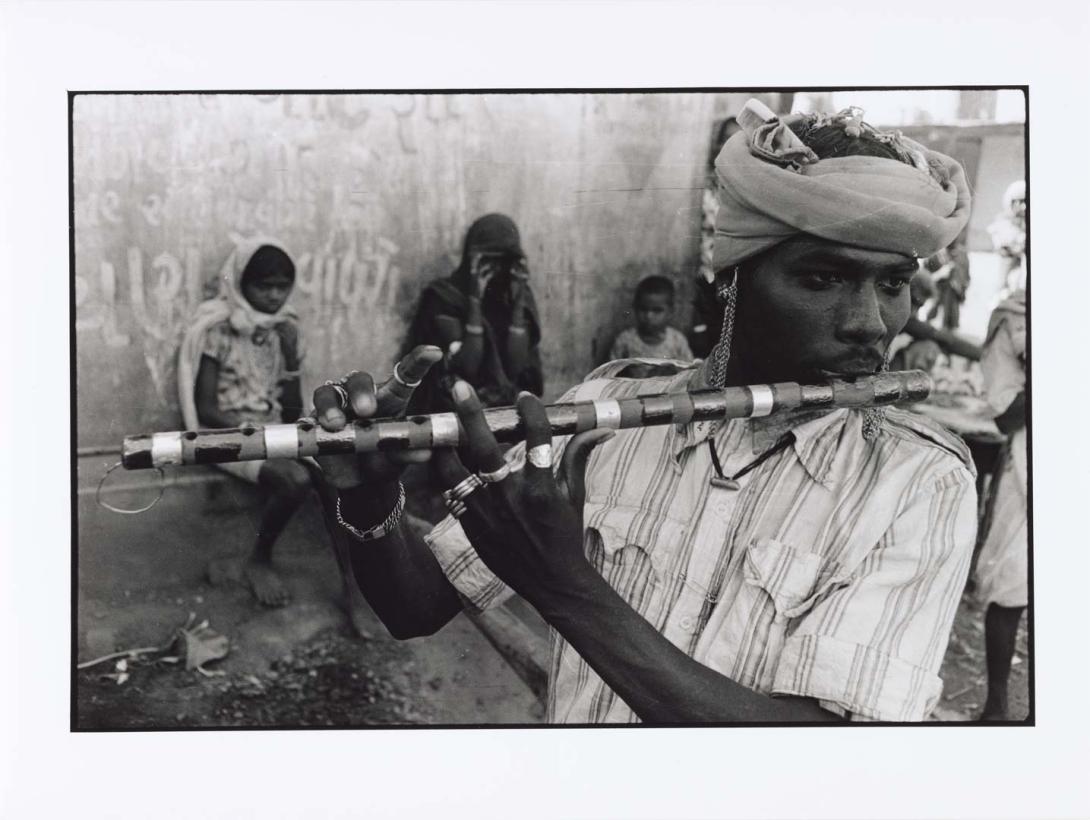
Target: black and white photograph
596,410
678,407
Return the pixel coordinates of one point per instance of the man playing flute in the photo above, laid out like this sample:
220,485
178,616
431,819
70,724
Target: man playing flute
799,568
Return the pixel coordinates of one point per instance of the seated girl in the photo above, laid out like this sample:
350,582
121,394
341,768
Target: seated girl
239,364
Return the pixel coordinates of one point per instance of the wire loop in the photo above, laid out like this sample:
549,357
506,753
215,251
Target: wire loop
107,506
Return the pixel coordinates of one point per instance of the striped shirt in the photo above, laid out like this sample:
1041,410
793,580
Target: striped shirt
832,572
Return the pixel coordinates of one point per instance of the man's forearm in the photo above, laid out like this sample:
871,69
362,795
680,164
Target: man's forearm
397,574
467,361
656,679
1014,417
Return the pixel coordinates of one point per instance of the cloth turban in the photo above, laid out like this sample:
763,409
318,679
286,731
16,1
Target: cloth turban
772,187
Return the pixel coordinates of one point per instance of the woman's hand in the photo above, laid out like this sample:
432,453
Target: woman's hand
482,267
364,401
289,344
527,527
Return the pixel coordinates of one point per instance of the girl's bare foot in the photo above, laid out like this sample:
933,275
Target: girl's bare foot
259,576
265,583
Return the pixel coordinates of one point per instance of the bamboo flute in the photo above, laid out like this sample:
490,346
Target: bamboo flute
305,438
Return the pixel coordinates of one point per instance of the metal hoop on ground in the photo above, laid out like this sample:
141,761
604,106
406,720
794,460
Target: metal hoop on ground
107,506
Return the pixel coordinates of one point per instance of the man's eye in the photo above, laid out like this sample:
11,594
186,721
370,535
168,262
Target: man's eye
819,280
896,285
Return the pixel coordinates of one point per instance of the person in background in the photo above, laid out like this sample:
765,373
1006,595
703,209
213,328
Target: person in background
1008,232
239,363
653,337
707,312
949,270
1002,568
484,317
907,352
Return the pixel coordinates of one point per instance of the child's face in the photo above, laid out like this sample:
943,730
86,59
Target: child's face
653,312
267,293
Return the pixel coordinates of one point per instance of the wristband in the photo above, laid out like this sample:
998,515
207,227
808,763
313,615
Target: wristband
475,330
517,329
382,529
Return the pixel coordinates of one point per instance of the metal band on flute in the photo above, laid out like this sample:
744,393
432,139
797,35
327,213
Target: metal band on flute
305,438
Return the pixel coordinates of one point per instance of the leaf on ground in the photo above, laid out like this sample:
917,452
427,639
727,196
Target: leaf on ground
200,644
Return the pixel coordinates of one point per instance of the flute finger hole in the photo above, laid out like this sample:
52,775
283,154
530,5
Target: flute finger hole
189,436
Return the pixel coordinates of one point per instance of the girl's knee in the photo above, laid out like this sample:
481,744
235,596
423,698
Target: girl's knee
286,478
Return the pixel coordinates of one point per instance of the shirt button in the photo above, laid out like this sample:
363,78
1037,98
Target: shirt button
686,623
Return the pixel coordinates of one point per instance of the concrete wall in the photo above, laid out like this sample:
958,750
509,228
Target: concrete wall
372,195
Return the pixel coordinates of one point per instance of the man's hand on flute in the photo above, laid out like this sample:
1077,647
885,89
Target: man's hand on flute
355,396
394,569
527,527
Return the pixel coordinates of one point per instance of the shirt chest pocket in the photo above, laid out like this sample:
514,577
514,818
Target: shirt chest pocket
791,579
640,549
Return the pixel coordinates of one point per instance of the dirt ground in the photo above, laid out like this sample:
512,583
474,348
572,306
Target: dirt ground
302,665
963,675
141,576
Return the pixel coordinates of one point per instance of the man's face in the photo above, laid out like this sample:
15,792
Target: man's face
811,309
653,311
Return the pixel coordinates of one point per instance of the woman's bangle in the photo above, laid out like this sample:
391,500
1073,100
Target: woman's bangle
475,330
379,530
517,329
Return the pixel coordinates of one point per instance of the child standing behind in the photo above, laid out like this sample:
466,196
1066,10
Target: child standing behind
652,337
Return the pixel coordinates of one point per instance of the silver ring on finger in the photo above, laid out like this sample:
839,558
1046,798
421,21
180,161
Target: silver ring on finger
456,508
402,382
495,476
541,456
464,488
342,394
344,379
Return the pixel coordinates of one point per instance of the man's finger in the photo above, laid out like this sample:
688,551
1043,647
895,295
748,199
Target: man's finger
483,452
449,470
392,396
361,394
539,440
573,464
329,408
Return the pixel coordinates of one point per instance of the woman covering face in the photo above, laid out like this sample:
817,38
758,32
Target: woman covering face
484,318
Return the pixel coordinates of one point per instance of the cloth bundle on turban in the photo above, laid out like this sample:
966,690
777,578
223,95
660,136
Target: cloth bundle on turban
773,186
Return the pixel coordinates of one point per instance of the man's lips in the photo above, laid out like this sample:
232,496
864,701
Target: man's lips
860,365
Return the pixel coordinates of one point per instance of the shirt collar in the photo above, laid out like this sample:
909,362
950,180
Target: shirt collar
822,438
